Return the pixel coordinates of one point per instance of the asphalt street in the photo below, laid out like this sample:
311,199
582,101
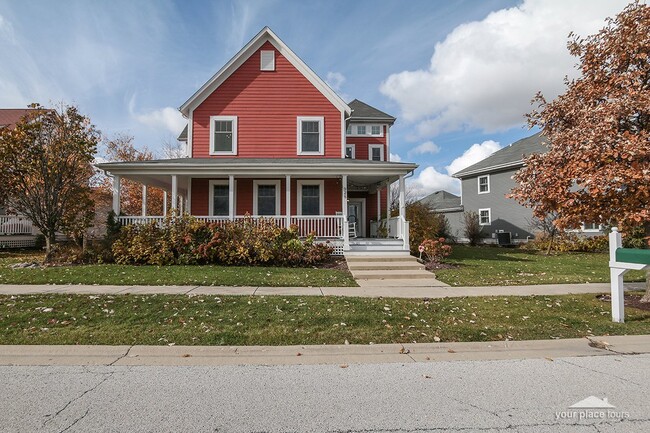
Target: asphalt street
531,395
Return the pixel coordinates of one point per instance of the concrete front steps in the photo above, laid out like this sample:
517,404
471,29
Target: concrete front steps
390,269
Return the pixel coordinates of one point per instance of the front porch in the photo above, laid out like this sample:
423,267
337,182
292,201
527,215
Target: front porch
347,210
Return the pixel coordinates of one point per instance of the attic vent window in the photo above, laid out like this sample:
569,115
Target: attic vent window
267,61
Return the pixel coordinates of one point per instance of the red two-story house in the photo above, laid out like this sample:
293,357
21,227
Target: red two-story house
266,137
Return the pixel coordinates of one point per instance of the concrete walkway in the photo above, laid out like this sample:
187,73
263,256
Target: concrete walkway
322,354
385,290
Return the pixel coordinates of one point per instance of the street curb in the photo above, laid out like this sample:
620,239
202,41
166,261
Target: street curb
343,355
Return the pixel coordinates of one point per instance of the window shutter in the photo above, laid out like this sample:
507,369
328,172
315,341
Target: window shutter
267,61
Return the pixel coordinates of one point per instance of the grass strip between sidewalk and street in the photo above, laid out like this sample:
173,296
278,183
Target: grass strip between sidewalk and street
297,320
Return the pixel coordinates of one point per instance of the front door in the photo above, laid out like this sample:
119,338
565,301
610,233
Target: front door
355,215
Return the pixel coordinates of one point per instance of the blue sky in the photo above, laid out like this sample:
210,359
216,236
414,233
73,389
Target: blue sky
458,75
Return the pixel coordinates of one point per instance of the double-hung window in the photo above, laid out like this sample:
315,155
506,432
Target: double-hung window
266,197
376,152
219,198
484,217
311,135
484,184
311,197
350,151
223,135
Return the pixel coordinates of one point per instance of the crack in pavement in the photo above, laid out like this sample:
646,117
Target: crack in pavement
75,421
122,356
608,374
94,387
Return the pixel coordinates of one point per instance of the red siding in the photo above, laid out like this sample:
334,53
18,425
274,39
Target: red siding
361,144
267,104
244,196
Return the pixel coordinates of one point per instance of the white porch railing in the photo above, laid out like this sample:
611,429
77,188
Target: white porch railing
395,227
324,226
15,225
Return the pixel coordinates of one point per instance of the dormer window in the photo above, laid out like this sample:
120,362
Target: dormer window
361,130
365,130
375,130
223,135
310,135
267,60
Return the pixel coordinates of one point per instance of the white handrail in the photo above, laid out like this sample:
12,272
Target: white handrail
15,225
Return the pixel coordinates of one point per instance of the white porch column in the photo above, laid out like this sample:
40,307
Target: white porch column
287,192
344,208
164,203
116,194
144,200
388,196
188,200
174,192
378,207
402,206
181,204
231,197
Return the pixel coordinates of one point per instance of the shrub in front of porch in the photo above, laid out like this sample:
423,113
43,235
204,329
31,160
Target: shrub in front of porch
183,240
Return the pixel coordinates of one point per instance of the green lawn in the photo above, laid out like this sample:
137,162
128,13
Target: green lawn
492,266
168,275
277,320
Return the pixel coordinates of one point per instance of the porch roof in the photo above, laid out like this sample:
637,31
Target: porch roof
309,167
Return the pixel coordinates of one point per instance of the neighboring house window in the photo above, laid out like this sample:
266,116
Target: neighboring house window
361,130
350,151
376,152
484,217
219,198
310,135
375,130
590,227
484,184
266,197
311,197
267,60
223,135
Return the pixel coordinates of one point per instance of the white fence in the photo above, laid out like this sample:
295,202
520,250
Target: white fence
15,225
323,226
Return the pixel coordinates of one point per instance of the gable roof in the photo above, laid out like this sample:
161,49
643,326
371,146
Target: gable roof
362,111
10,116
265,35
441,200
509,157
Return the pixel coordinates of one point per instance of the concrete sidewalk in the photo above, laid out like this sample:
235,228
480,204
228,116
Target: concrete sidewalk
368,291
321,354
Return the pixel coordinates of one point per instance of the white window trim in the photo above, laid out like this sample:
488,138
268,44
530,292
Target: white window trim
233,119
256,183
585,230
489,211
478,182
354,132
272,66
381,151
211,185
321,204
354,150
321,134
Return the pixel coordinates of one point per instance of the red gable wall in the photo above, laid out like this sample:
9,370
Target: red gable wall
267,104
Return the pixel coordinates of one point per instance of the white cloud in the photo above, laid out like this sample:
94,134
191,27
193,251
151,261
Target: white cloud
395,157
430,180
167,118
477,152
426,147
484,74
335,80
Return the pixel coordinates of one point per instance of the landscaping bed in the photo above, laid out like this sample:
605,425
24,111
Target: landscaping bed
294,320
494,266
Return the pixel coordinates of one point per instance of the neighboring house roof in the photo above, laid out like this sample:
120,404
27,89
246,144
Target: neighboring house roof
10,116
183,135
442,201
364,112
508,157
265,35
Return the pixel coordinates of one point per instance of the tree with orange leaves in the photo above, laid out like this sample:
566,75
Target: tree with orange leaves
597,168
